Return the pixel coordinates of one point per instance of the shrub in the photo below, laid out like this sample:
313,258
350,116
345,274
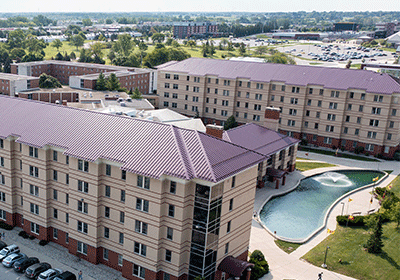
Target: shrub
358,221
261,266
31,237
359,150
23,234
5,226
43,242
367,154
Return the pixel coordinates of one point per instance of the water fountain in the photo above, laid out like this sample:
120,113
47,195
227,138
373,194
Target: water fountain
333,179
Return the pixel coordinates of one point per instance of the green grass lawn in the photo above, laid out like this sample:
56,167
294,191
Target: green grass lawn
302,158
347,245
332,153
66,47
287,246
303,166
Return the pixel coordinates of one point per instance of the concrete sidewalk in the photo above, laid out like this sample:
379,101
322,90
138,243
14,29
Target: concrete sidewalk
290,266
59,257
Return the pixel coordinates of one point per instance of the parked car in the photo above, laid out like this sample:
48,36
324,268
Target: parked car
49,274
12,258
2,245
34,270
66,275
22,265
8,250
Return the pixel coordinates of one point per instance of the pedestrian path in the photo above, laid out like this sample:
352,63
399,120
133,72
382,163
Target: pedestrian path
290,266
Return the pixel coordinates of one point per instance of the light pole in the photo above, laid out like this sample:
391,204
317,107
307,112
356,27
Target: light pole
342,207
326,253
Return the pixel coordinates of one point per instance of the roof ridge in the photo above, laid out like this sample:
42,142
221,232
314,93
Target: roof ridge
206,155
183,152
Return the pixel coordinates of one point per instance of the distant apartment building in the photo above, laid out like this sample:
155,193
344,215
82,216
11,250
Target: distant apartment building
330,107
84,75
184,30
11,83
345,26
385,29
296,36
151,200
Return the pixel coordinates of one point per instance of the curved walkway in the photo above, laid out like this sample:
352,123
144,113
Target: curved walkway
290,266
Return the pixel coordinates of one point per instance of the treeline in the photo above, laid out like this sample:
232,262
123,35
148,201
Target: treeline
20,21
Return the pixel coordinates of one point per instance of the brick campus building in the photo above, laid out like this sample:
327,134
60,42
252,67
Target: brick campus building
9,83
84,75
151,200
328,107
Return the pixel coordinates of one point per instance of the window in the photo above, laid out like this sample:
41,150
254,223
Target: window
293,112
224,113
327,140
67,220
122,195
82,248
317,114
142,205
55,156
362,96
307,113
106,232
259,97
82,227
175,96
34,190
357,131
1,144
105,254
369,147
345,130
295,89
55,233
123,175
55,213
140,249
167,76
245,115
168,255
83,165
108,170
106,211
120,260
107,191
122,217
35,228
33,171
394,112
171,210
3,196
67,179
371,134
389,136
351,95
55,194
293,100
226,248
34,209
139,271
176,77
316,125
309,102
376,111
319,103
310,91
247,94
333,105
228,227
374,122
283,88
55,175
170,233
306,124
231,204
335,94
361,108
166,103
347,118
329,128
273,87
248,84
387,149
225,103
291,123
172,187
166,85
378,98
282,98
33,152
67,198
82,207
331,117
358,119
141,227
83,186
256,118
233,181
391,124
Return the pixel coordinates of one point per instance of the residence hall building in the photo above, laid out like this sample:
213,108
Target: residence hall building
11,83
330,107
151,200
184,30
84,75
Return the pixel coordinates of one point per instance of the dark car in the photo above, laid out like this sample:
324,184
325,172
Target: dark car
22,265
66,275
2,245
34,270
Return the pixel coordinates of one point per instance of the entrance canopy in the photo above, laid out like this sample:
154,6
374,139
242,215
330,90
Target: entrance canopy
276,173
233,266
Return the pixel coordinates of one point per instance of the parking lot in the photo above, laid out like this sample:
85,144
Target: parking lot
57,256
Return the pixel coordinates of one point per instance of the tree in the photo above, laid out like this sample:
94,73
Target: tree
41,20
169,41
374,244
59,56
87,22
109,21
97,49
142,46
47,81
136,94
112,82
261,266
17,53
123,45
191,44
230,123
16,38
242,49
57,44
395,213
260,50
77,41
101,82
158,37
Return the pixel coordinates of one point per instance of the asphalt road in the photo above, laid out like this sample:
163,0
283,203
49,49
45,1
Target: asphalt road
10,274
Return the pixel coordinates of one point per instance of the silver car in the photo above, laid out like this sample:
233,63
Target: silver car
11,259
49,274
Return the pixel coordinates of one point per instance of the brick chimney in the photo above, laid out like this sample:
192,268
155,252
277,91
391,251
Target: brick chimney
215,130
271,118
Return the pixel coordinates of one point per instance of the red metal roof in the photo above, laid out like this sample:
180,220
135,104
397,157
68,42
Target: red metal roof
296,75
148,148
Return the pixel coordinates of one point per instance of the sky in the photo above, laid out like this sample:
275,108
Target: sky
43,6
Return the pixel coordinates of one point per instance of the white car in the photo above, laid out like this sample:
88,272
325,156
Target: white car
49,274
